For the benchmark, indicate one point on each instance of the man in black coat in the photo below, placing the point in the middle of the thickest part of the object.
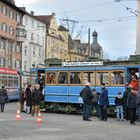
(87, 97)
(3, 98)
(131, 103)
(36, 99)
(28, 98)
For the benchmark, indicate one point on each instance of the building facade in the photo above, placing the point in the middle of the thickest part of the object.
(56, 38)
(33, 48)
(10, 41)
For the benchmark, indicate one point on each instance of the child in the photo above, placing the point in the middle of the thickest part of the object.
(119, 106)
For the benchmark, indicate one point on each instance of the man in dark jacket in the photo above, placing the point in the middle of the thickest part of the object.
(131, 103)
(125, 95)
(36, 99)
(28, 98)
(3, 98)
(87, 97)
(103, 102)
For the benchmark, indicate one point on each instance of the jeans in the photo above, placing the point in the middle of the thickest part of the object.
(119, 113)
(87, 111)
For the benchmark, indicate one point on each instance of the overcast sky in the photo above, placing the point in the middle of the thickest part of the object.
(114, 21)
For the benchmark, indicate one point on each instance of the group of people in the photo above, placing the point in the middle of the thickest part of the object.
(128, 102)
(32, 97)
(91, 98)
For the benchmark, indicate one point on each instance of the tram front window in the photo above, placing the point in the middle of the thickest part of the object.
(75, 78)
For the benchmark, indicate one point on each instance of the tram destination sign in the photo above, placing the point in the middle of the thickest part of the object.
(96, 63)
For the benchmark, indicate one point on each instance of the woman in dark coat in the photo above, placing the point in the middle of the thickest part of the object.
(28, 97)
(3, 98)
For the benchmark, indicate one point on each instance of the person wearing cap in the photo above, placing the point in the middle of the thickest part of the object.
(103, 102)
(3, 98)
(87, 97)
(131, 103)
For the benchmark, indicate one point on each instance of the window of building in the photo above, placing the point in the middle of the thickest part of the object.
(11, 14)
(38, 39)
(39, 52)
(33, 51)
(9, 62)
(11, 30)
(2, 43)
(26, 20)
(32, 24)
(18, 18)
(32, 36)
(17, 63)
(10, 46)
(25, 50)
(25, 65)
(4, 10)
(4, 27)
(18, 49)
(2, 61)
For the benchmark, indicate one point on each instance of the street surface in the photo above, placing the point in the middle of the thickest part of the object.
(63, 127)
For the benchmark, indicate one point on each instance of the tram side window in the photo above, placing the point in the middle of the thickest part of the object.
(15, 81)
(89, 77)
(63, 78)
(102, 77)
(51, 78)
(117, 78)
(75, 78)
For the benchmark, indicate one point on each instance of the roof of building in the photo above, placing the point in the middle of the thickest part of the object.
(45, 18)
(11, 4)
(62, 28)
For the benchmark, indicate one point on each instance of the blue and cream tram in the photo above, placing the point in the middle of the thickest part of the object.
(62, 85)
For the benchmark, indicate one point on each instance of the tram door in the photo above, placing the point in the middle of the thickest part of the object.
(133, 76)
(41, 79)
